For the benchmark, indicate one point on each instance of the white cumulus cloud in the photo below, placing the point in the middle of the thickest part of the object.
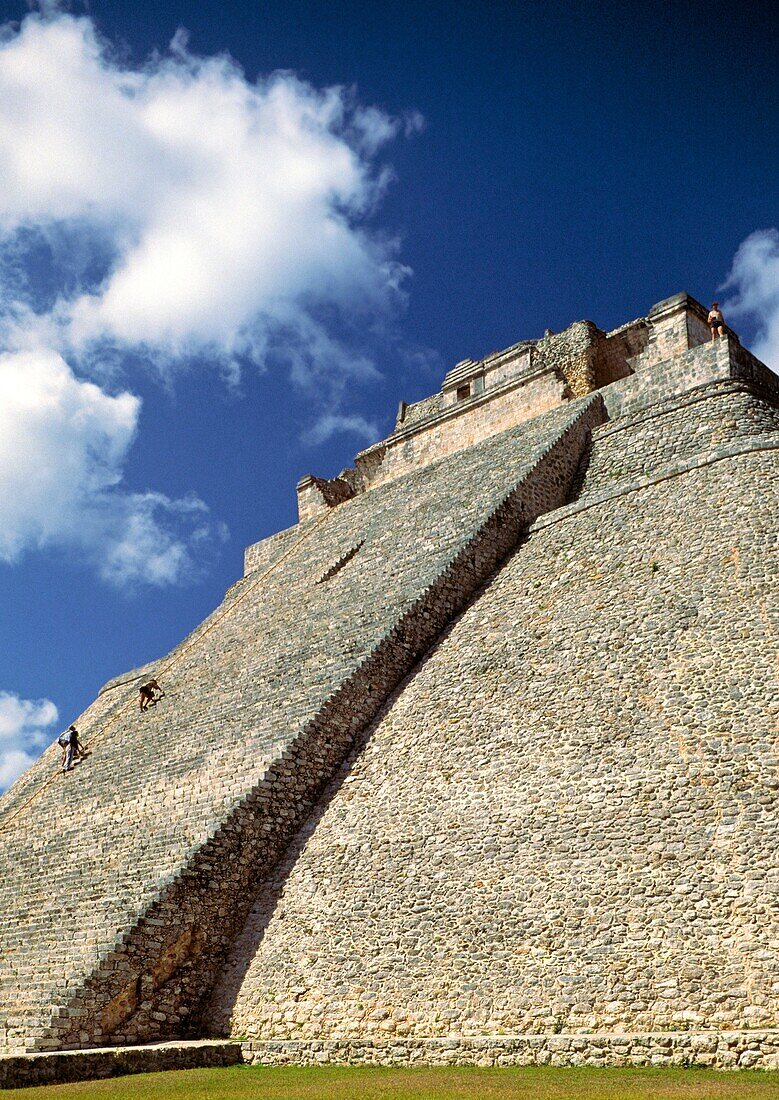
(172, 214)
(222, 216)
(24, 731)
(753, 288)
(63, 443)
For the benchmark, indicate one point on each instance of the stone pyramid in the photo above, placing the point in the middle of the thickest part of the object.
(484, 746)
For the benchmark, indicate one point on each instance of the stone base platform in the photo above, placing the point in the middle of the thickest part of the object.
(717, 1049)
(60, 1067)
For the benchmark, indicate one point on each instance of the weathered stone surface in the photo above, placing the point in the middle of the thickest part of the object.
(63, 1067)
(151, 849)
(567, 818)
(716, 1050)
(719, 1050)
(714, 415)
(550, 837)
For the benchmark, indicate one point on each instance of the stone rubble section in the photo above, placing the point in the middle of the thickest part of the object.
(123, 883)
(566, 820)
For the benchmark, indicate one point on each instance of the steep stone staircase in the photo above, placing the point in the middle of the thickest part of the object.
(123, 883)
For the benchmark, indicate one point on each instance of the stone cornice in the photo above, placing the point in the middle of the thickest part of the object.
(463, 407)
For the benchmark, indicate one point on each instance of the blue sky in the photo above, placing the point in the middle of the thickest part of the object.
(233, 237)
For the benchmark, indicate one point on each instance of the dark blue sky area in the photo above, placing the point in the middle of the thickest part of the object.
(579, 160)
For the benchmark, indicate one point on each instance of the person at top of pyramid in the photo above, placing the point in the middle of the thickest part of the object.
(716, 321)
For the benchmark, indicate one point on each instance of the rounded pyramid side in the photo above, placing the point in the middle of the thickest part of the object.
(567, 819)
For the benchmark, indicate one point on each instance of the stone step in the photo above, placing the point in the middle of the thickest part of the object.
(63, 1066)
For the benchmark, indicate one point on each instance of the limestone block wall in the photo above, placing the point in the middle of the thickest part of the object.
(750, 1049)
(122, 883)
(502, 366)
(588, 358)
(680, 427)
(567, 818)
(676, 324)
(318, 494)
(262, 555)
(655, 382)
(474, 420)
(421, 410)
(648, 358)
(619, 349)
(518, 384)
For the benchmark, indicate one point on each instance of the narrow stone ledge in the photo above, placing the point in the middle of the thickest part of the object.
(61, 1067)
(715, 1049)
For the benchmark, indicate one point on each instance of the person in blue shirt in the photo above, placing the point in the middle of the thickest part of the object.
(71, 746)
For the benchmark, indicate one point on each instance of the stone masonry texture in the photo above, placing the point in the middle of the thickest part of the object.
(62, 1067)
(757, 1049)
(476, 763)
(567, 818)
(151, 848)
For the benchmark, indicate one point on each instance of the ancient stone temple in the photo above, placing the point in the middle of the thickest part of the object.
(481, 755)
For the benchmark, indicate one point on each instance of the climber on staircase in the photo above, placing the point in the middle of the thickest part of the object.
(72, 748)
(150, 692)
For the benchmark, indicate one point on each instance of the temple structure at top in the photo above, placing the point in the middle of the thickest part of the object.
(480, 397)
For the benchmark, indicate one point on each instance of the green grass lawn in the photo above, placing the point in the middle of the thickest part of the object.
(461, 1083)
